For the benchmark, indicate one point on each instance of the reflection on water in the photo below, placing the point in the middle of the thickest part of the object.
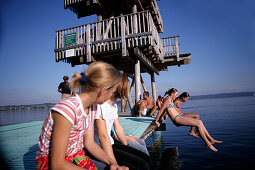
(22, 116)
(162, 156)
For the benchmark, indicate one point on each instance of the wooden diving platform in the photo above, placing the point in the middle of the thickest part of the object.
(118, 41)
(19, 142)
(126, 35)
(109, 8)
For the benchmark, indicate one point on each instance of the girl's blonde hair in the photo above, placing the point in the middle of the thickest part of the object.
(122, 89)
(170, 91)
(99, 74)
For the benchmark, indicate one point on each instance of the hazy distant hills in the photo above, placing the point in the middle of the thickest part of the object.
(49, 105)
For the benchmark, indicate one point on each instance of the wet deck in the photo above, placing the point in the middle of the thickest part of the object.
(19, 141)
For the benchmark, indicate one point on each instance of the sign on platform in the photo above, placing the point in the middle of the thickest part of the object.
(70, 53)
(70, 39)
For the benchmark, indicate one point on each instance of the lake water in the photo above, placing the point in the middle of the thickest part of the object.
(229, 119)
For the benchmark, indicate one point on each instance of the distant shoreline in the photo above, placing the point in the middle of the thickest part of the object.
(49, 105)
(223, 95)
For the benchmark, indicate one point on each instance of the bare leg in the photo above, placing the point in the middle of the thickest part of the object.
(142, 107)
(186, 121)
(153, 110)
(192, 128)
(209, 136)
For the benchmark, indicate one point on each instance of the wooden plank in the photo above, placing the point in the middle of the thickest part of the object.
(144, 87)
(145, 60)
(88, 48)
(123, 37)
(153, 88)
(148, 131)
(137, 81)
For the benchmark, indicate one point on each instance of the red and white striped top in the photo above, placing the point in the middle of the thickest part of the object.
(71, 108)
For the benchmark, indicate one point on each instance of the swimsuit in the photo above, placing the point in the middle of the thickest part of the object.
(172, 106)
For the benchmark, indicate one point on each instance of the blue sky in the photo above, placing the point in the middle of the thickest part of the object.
(219, 34)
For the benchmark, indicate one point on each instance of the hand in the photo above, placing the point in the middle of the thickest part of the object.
(132, 138)
(157, 123)
(117, 167)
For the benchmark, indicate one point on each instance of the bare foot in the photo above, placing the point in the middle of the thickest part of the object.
(212, 148)
(193, 134)
(217, 141)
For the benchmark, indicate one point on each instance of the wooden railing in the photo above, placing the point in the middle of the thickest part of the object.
(157, 14)
(117, 33)
(171, 46)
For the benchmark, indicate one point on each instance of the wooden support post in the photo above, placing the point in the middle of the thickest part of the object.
(99, 27)
(137, 81)
(123, 36)
(88, 43)
(135, 26)
(144, 88)
(153, 87)
(130, 102)
(177, 48)
(132, 85)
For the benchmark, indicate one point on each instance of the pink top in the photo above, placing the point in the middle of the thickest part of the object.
(72, 109)
(178, 106)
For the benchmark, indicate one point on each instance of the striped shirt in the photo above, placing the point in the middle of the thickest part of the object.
(72, 109)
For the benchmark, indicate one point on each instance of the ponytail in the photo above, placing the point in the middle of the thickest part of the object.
(99, 74)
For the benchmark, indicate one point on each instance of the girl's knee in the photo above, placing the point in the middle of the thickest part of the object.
(200, 123)
(197, 116)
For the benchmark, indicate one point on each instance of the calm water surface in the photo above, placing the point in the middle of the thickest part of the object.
(229, 119)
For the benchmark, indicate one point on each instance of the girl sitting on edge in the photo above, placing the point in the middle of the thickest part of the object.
(184, 97)
(69, 126)
(179, 120)
(123, 152)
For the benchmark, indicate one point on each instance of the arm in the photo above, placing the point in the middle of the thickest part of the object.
(119, 131)
(132, 138)
(104, 138)
(165, 104)
(60, 136)
(176, 102)
(59, 87)
(94, 149)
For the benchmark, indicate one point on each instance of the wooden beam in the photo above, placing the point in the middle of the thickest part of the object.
(137, 81)
(139, 54)
(123, 37)
(144, 88)
(130, 102)
(153, 88)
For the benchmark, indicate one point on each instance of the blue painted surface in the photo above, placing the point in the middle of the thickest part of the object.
(135, 126)
(18, 142)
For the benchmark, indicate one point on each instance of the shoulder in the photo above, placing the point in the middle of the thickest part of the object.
(68, 108)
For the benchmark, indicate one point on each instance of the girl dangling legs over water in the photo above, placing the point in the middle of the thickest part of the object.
(178, 120)
(184, 97)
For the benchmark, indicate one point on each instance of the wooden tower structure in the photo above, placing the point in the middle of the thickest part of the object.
(126, 35)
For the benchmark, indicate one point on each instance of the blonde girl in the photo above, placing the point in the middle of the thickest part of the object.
(69, 126)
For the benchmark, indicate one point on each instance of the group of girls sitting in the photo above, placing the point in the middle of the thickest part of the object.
(172, 107)
(76, 133)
